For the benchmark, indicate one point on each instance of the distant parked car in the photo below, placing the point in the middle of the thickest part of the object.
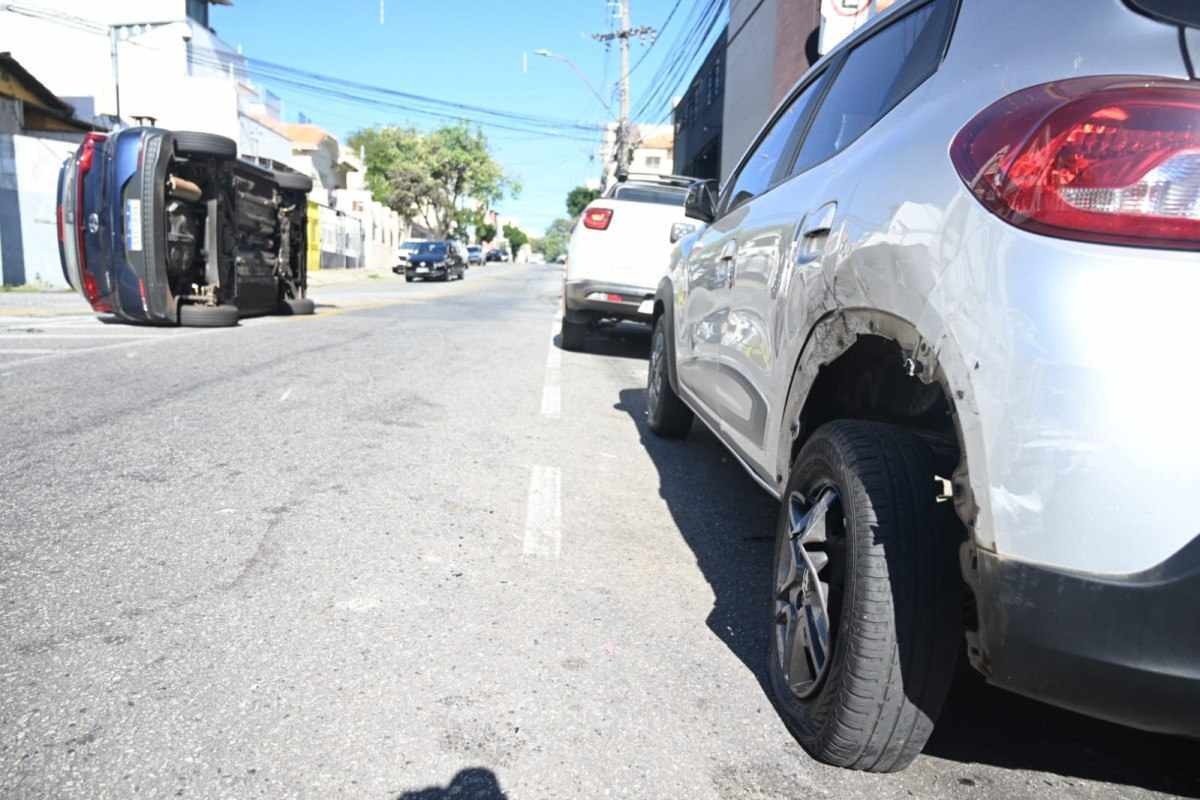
(474, 255)
(943, 311)
(170, 227)
(439, 260)
(618, 252)
(497, 255)
(403, 252)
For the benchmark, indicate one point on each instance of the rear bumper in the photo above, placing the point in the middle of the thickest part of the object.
(1124, 649)
(595, 298)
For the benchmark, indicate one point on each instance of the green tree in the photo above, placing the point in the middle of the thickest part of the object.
(440, 180)
(516, 239)
(578, 198)
(486, 232)
(554, 243)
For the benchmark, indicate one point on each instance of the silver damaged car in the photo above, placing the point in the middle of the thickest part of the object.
(944, 310)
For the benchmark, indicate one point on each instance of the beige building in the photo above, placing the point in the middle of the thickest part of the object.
(653, 150)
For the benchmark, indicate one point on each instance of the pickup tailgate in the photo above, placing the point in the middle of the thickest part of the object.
(633, 250)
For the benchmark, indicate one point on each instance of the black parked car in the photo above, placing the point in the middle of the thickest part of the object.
(440, 260)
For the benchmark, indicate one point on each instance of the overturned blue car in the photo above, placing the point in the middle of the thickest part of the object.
(165, 227)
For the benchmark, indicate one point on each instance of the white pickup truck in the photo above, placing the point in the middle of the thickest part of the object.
(619, 250)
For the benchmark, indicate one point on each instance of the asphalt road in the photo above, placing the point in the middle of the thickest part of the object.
(408, 548)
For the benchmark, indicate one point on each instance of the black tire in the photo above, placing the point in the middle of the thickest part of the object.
(297, 307)
(893, 596)
(293, 181)
(572, 335)
(192, 316)
(192, 143)
(667, 415)
(408, 278)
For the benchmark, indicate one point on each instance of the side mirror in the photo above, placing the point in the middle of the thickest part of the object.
(701, 202)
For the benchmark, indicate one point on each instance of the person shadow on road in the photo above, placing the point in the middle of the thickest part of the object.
(476, 783)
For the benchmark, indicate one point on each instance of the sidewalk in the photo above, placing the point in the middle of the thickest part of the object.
(332, 277)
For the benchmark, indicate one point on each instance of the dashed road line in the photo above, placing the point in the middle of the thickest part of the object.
(552, 387)
(543, 514)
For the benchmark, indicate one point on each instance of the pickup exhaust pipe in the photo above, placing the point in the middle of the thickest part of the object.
(183, 189)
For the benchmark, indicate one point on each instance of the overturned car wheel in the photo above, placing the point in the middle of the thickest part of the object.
(193, 143)
(193, 316)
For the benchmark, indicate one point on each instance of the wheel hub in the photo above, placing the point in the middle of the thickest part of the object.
(654, 383)
(803, 624)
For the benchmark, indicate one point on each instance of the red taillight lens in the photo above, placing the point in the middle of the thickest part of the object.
(1102, 159)
(83, 166)
(597, 218)
(58, 218)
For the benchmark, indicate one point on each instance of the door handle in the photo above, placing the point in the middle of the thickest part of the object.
(819, 222)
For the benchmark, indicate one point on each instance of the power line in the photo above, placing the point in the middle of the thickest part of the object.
(303, 81)
(677, 66)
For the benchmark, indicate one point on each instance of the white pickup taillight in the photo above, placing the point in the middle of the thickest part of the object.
(1101, 159)
(597, 218)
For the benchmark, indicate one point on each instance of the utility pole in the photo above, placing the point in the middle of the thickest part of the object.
(116, 69)
(623, 36)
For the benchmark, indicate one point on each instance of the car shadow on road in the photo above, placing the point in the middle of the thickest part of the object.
(729, 524)
(476, 783)
(981, 724)
(727, 521)
(623, 340)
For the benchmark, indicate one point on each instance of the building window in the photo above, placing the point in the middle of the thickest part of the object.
(198, 10)
(653, 161)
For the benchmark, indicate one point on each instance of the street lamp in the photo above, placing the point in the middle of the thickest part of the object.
(544, 53)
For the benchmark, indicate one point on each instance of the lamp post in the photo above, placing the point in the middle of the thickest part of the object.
(544, 53)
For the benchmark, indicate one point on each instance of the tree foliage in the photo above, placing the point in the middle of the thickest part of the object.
(578, 198)
(485, 232)
(516, 239)
(441, 180)
(554, 243)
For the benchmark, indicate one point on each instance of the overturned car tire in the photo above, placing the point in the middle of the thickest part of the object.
(293, 181)
(192, 143)
(191, 316)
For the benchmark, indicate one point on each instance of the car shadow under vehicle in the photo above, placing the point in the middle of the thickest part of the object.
(981, 724)
(622, 340)
(729, 524)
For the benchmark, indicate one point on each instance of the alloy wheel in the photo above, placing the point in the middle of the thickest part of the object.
(804, 622)
(654, 383)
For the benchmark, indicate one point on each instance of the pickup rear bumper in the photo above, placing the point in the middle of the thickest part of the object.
(586, 300)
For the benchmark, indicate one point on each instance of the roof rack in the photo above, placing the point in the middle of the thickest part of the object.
(674, 180)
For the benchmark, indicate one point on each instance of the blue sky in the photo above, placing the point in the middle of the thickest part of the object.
(462, 50)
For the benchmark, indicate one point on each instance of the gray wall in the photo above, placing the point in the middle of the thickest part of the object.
(749, 76)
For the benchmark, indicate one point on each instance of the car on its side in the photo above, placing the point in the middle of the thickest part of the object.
(403, 252)
(943, 312)
(474, 255)
(619, 250)
(439, 260)
(170, 227)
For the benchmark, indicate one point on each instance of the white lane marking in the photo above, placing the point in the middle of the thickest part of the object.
(91, 336)
(552, 388)
(543, 513)
(140, 341)
(25, 351)
(285, 395)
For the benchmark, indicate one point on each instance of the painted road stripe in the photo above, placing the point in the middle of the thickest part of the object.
(543, 514)
(552, 388)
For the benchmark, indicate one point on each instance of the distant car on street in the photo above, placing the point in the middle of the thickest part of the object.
(495, 254)
(941, 312)
(439, 260)
(171, 227)
(403, 252)
(619, 250)
(474, 255)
